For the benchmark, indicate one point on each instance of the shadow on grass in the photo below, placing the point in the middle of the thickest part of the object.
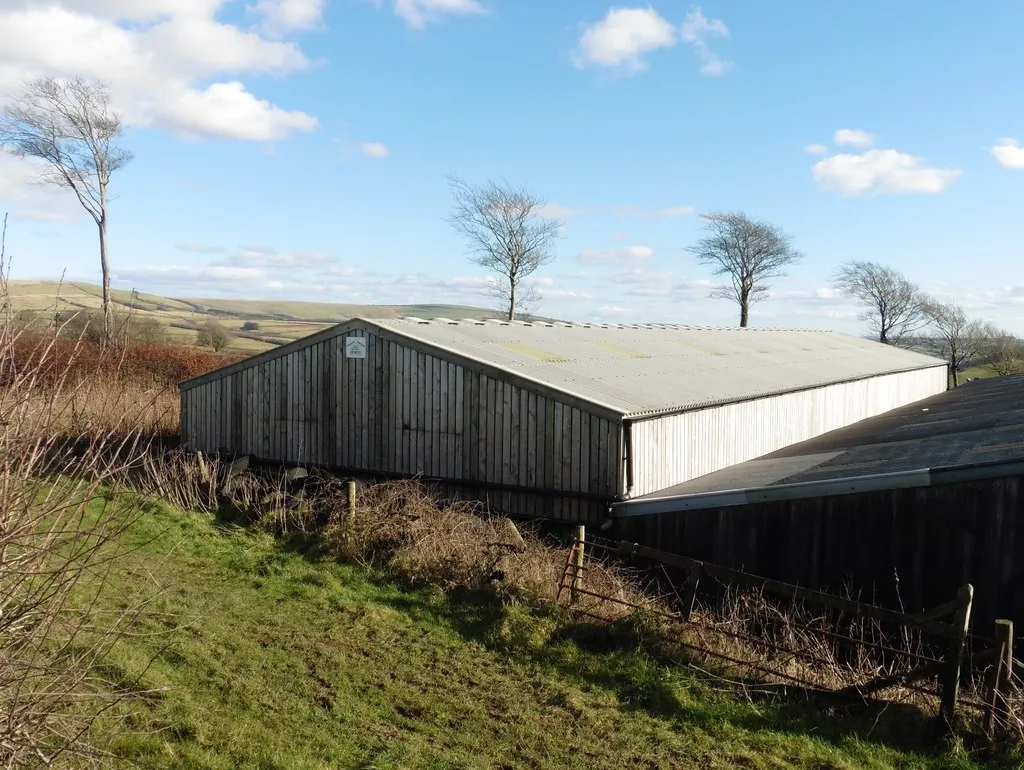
(624, 659)
(621, 657)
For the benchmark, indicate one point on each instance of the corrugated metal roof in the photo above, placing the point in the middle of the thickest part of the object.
(655, 368)
(978, 423)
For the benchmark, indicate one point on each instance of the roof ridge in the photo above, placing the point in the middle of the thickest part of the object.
(645, 325)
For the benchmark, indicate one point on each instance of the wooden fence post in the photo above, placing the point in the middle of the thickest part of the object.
(690, 591)
(350, 520)
(996, 711)
(951, 676)
(578, 550)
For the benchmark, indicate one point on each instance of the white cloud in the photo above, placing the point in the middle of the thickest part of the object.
(623, 38)
(669, 213)
(565, 213)
(418, 13)
(823, 294)
(226, 280)
(198, 248)
(697, 27)
(344, 270)
(173, 273)
(280, 16)
(881, 172)
(816, 149)
(374, 150)
(692, 289)
(475, 282)
(163, 59)
(853, 136)
(560, 212)
(1009, 153)
(264, 256)
(696, 31)
(638, 277)
(649, 291)
(25, 199)
(228, 111)
(611, 256)
(253, 270)
(567, 295)
(613, 311)
(131, 10)
(350, 151)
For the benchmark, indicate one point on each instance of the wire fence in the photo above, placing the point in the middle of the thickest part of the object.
(836, 649)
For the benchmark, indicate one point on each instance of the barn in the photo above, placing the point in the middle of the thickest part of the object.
(905, 507)
(549, 420)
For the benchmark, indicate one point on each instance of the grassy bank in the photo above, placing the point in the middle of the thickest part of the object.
(266, 657)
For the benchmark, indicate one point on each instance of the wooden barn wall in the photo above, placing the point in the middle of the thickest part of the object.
(931, 540)
(405, 412)
(673, 449)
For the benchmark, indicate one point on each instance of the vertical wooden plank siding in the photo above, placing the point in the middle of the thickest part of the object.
(933, 540)
(405, 411)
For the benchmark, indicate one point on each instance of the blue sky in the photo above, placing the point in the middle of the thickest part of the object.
(298, 148)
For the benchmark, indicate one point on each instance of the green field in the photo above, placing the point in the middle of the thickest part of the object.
(976, 373)
(268, 657)
(280, 321)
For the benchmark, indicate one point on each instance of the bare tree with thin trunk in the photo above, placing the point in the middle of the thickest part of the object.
(963, 341)
(507, 235)
(1005, 353)
(750, 253)
(893, 304)
(5, 271)
(71, 127)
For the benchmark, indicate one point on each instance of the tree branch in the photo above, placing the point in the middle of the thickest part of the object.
(70, 126)
(751, 253)
(505, 234)
(893, 305)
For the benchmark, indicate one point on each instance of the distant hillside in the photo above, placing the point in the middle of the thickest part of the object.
(280, 321)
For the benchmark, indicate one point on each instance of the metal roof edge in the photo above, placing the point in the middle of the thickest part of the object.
(923, 477)
(405, 333)
(669, 411)
(270, 355)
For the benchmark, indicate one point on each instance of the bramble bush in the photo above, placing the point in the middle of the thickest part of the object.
(74, 360)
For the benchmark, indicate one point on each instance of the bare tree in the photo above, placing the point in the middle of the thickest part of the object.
(5, 271)
(71, 127)
(963, 341)
(893, 304)
(507, 235)
(750, 253)
(1005, 353)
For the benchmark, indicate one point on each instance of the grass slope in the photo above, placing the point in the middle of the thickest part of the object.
(280, 660)
(280, 321)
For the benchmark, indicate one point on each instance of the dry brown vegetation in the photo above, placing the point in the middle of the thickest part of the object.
(399, 526)
(57, 528)
(77, 420)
